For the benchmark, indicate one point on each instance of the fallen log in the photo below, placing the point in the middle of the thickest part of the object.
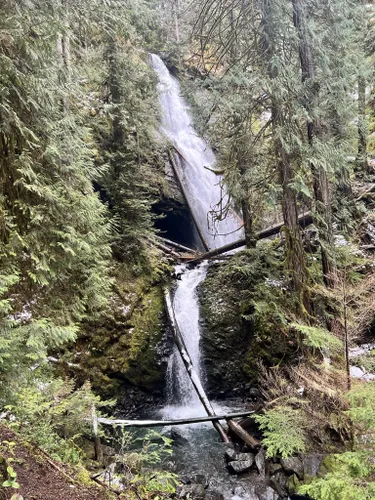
(189, 365)
(176, 245)
(184, 421)
(165, 248)
(183, 190)
(304, 220)
(242, 434)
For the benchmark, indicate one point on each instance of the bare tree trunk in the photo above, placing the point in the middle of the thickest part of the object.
(182, 421)
(361, 159)
(346, 332)
(295, 254)
(320, 177)
(303, 221)
(250, 237)
(63, 54)
(175, 9)
(115, 90)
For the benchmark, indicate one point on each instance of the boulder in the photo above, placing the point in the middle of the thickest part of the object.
(279, 483)
(312, 464)
(242, 493)
(293, 483)
(274, 468)
(260, 461)
(178, 436)
(195, 491)
(214, 495)
(293, 465)
(269, 494)
(234, 456)
(240, 466)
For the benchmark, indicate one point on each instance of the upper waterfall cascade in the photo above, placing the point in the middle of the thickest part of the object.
(203, 186)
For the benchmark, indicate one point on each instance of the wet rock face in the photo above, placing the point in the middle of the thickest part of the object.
(237, 328)
(125, 352)
(293, 465)
(224, 337)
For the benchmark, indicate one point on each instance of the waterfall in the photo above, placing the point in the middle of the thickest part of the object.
(203, 186)
(182, 397)
(206, 195)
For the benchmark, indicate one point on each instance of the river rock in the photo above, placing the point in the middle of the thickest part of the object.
(293, 465)
(214, 495)
(240, 466)
(178, 436)
(260, 461)
(195, 491)
(356, 372)
(274, 468)
(269, 494)
(234, 456)
(242, 493)
(279, 483)
(293, 483)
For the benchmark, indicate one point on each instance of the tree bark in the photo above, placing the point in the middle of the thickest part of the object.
(361, 159)
(295, 255)
(304, 220)
(176, 245)
(320, 178)
(244, 435)
(183, 421)
(250, 237)
(115, 90)
(175, 9)
(63, 53)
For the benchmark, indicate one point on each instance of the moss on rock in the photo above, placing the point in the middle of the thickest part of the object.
(126, 347)
(242, 321)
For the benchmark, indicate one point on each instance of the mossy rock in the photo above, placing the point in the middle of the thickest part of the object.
(293, 483)
(242, 318)
(127, 346)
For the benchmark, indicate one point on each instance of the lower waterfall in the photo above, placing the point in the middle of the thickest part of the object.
(182, 400)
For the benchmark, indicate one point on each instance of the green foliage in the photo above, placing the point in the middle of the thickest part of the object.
(348, 478)
(350, 475)
(283, 429)
(11, 481)
(54, 415)
(78, 175)
(142, 457)
(318, 338)
(362, 406)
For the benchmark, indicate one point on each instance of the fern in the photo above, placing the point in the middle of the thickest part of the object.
(318, 338)
(348, 478)
(283, 430)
